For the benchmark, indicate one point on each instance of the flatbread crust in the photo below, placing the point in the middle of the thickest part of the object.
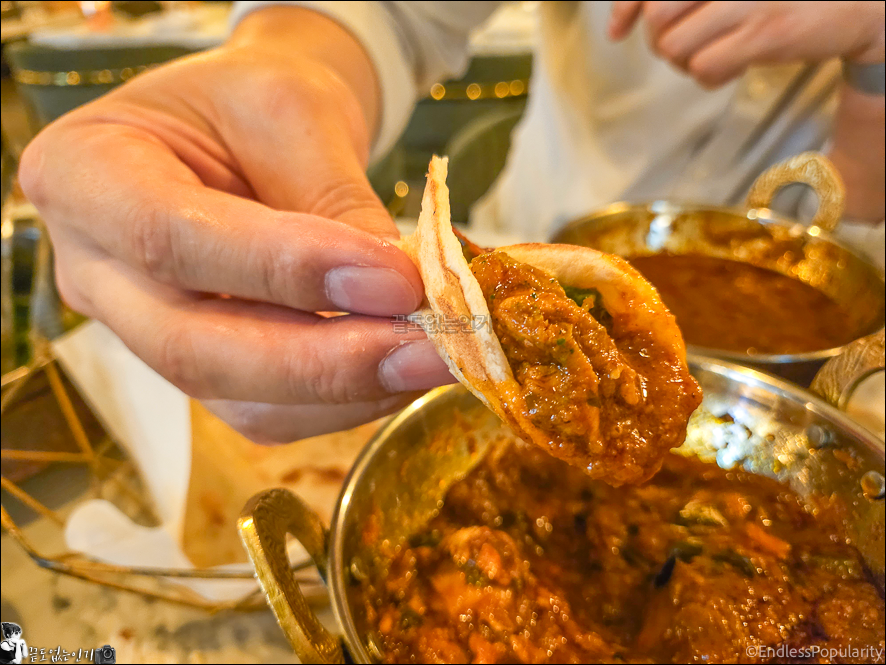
(473, 352)
(455, 302)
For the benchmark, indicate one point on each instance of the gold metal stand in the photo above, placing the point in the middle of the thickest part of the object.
(110, 477)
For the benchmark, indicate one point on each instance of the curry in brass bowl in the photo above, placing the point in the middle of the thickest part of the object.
(747, 285)
(742, 308)
(530, 561)
(454, 542)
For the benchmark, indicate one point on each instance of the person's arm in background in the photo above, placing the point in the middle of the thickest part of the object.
(206, 210)
(858, 152)
(716, 41)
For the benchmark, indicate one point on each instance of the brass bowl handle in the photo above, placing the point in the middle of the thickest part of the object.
(813, 169)
(841, 375)
(263, 525)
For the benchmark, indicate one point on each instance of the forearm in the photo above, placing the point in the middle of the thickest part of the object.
(284, 30)
(858, 139)
(858, 152)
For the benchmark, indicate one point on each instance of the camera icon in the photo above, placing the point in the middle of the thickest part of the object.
(106, 655)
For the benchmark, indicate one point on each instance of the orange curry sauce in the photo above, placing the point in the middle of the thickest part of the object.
(611, 401)
(532, 561)
(736, 306)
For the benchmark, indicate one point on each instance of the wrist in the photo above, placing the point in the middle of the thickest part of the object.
(303, 35)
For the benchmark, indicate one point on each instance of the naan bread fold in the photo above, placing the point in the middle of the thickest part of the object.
(458, 322)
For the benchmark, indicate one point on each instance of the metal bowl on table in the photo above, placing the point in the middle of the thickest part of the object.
(403, 474)
(760, 237)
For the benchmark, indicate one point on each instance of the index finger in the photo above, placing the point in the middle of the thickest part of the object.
(161, 220)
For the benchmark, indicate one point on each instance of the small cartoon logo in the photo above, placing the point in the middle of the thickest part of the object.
(13, 648)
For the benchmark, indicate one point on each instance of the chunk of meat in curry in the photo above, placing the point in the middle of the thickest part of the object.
(610, 400)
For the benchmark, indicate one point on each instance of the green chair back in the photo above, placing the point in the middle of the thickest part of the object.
(477, 154)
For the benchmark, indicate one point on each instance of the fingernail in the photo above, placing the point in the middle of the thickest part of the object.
(375, 291)
(414, 366)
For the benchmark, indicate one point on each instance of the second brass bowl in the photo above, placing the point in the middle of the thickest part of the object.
(758, 236)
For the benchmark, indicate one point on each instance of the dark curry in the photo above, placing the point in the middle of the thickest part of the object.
(532, 561)
(736, 306)
(610, 400)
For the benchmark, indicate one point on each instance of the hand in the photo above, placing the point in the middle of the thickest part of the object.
(207, 210)
(716, 41)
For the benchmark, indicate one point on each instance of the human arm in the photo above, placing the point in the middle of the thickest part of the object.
(716, 41)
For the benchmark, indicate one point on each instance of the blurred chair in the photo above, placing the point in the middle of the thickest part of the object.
(493, 84)
(477, 154)
(54, 81)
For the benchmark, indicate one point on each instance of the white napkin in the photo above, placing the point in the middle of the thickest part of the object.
(140, 410)
(150, 419)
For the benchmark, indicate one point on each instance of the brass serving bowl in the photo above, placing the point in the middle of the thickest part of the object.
(758, 236)
(773, 428)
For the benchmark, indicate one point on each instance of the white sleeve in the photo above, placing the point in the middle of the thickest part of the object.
(412, 45)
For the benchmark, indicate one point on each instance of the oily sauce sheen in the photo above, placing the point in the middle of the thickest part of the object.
(610, 400)
(736, 306)
(532, 561)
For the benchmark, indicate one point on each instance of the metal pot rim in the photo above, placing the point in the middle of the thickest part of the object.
(336, 574)
(763, 216)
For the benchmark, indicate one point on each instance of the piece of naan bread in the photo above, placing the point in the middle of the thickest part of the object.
(476, 357)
